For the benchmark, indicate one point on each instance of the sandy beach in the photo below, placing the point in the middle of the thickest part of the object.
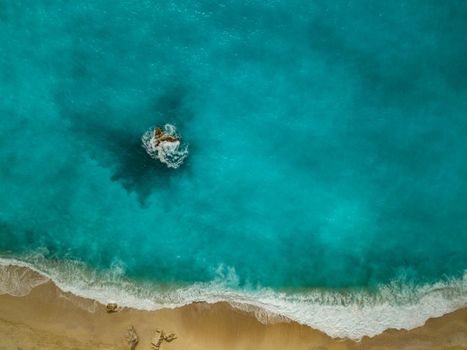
(48, 318)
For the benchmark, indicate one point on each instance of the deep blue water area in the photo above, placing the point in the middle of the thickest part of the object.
(327, 139)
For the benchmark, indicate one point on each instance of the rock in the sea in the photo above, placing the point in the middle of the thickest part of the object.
(132, 338)
(111, 307)
(165, 144)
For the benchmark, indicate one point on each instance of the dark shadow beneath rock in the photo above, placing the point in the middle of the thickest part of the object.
(123, 153)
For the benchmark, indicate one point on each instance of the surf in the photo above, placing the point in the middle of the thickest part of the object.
(347, 313)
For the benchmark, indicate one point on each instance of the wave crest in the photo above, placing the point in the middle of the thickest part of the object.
(171, 153)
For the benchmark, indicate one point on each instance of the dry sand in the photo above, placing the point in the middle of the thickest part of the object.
(47, 318)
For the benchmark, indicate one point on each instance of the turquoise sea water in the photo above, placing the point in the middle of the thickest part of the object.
(327, 140)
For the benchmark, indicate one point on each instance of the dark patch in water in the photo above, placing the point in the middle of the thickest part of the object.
(121, 149)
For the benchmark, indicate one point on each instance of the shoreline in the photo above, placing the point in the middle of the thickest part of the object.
(45, 317)
(48, 318)
(348, 314)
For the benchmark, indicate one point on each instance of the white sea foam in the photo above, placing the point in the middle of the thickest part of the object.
(19, 280)
(341, 314)
(171, 153)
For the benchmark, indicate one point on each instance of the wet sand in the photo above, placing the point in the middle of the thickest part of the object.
(48, 318)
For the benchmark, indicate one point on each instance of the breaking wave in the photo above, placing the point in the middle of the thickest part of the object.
(171, 153)
(341, 314)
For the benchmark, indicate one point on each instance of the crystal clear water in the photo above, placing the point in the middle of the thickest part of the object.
(327, 140)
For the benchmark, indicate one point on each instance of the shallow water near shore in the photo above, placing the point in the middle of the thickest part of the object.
(327, 151)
